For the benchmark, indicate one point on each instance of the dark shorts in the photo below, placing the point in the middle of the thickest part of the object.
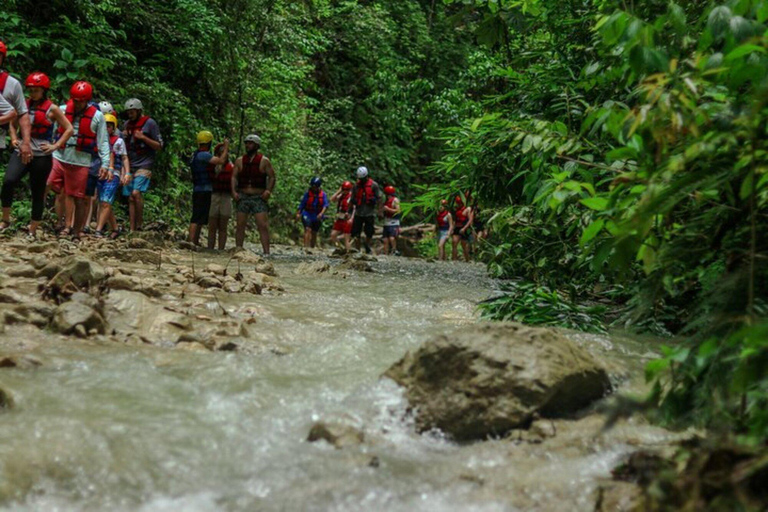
(467, 235)
(391, 231)
(90, 187)
(311, 221)
(252, 204)
(201, 206)
(363, 224)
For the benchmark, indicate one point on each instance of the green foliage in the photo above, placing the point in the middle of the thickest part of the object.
(538, 305)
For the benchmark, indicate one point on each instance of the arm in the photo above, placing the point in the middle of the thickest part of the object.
(102, 139)
(266, 166)
(395, 209)
(222, 158)
(57, 115)
(154, 140)
(470, 216)
(336, 195)
(235, 173)
(450, 223)
(126, 172)
(325, 205)
(9, 117)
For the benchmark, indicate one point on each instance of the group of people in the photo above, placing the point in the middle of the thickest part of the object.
(76, 151)
(461, 224)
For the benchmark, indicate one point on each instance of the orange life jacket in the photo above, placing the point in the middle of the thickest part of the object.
(42, 127)
(86, 137)
(442, 219)
(131, 144)
(364, 193)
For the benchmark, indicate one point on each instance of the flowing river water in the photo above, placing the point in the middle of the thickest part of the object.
(132, 427)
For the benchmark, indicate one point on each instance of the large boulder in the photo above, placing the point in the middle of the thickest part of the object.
(484, 380)
(80, 271)
(72, 314)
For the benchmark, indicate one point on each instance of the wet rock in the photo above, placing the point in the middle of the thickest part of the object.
(187, 246)
(39, 261)
(80, 331)
(42, 247)
(138, 243)
(232, 287)
(193, 346)
(72, 314)
(267, 268)
(80, 271)
(227, 346)
(24, 362)
(6, 399)
(364, 257)
(123, 282)
(247, 257)
(358, 265)
(485, 380)
(218, 270)
(35, 313)
(341, 431)
(21, 270)
(147, 256)
(618, 496)
(209, 282)
(49, 270)
(10, 297)
(314, 267)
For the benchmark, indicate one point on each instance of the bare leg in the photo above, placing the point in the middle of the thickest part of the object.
(61, 210)
(334, 236)
(132, 211)
(139, 206)
(104, 213)
(7, 214)
(455, 243)
(213, 226)
(313, 239)
(348, 241)
(223, 223)
(262, 224)
(465, 248)
(307, 237)
(242, 222)
(441, 248)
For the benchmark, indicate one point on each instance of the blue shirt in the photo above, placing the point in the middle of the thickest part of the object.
(201, 179)
(319, 201)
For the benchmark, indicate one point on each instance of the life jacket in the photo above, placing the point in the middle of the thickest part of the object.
(42, 127)
(118, 159)
(137, 146)
(252, 176)
(314, 202)
(442, 219)
(461, 217)
(343, 204)
(3, 79)
(364, 193)
(390, 201)
(222, 182)
(86, 137)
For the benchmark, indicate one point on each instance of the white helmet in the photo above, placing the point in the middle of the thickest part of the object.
(362, 172)
(106, 107)
(253, 138)
(134, 103)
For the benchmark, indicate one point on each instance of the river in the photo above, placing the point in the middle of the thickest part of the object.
(113, 426)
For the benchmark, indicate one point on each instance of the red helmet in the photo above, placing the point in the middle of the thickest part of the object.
(347, 185)
(444, 202)
(389, 190)
(38, 79)
(3, 49)
(81, 91)
(459, 201)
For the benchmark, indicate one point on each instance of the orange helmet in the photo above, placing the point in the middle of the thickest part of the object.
(347, 185)
(38, 79)
(81, 91)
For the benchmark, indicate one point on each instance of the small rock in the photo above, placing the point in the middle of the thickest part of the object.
(123, 282)
(247, 257)
(187, 246)
(227, 347)
(80, 271)
(266, 268)
(180, 278)
(6, 400)
(49, 270)
(209, 282)
(22, 270)
(10, 297)
(315, 267)
(42, 247)
(39, 261)
(340, 432)
(194, 346)
(72, 314)
(79, 331)
(358, 265)
(138, 243)
(24, 362)
(218, 270)
(232, 287)
(365, 257)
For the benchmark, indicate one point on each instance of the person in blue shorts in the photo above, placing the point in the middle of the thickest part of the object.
(109, 181)
(312, 211)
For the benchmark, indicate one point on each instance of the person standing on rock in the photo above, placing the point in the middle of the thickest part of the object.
(11, 91)
(119, 168)
(312, 211)
(221, 200)
(461, 229)
(391, 210)
(202, 186)
(142, 140)
(43, 113)
(253, 181)
(343, 223)
(366, 203)
(444, 228)
(72, 162)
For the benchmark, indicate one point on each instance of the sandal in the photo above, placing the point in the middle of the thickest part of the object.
(98, 233)
(116, 233)
(65, 232)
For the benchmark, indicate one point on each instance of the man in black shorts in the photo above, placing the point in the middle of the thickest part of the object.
(366, 202)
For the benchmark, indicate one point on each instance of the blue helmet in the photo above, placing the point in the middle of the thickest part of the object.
(316, 181)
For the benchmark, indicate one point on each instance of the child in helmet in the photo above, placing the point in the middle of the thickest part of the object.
(111, 178)
(391, 220)
(312, 211)
(343, 223)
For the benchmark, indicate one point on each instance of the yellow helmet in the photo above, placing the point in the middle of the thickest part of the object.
(110, 119)
(204, 137)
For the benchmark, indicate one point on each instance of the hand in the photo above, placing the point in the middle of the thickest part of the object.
(235, 196)
(265, 195)
(126, 179)
(104, 173)
(139, 135)
(15, 143)
(48, 148)
(26, 152)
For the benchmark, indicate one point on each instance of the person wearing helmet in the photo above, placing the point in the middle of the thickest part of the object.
(366, 203)
(253, 181)
(142, 140)
(312, 211)
(391, 210)
(343, 223)
(107, 108)
(11, 91)
(463, 219)
(202, 187)
(43, 113)
(221, 200)
(71, 162)
(444, 227)
(110, 181)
